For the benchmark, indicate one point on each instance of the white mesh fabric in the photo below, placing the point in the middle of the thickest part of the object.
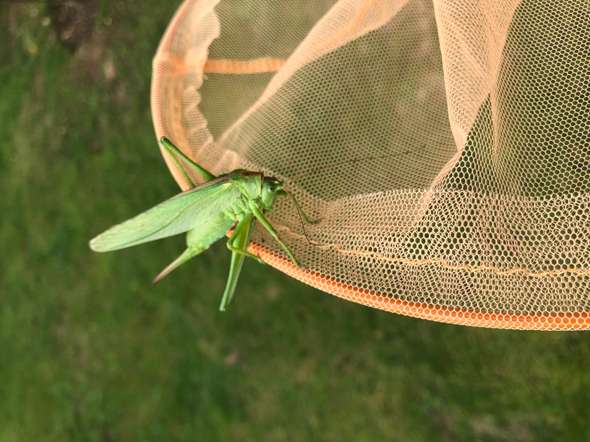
(444, 144)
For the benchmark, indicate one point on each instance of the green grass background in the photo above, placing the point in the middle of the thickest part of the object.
(91, 351)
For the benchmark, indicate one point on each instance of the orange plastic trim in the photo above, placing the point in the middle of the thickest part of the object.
(449, 315)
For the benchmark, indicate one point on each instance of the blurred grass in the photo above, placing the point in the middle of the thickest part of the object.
(91, 351)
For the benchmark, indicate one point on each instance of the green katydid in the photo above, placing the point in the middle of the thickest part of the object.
(206, 212)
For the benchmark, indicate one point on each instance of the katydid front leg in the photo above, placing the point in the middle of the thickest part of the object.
(300, 210)
(263, 220)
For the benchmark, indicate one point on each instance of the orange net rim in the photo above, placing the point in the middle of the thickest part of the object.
(449, 315)
(443, 314)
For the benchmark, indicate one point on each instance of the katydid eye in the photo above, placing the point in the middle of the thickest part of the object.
(275, 185)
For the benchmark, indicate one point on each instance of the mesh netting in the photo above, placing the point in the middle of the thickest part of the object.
(444, 144)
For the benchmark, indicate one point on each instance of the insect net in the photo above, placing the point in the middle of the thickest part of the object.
(444, 144)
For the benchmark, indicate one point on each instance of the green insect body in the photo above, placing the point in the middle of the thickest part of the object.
(206, 213)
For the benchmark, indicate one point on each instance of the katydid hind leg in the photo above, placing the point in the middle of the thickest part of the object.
(263, 220)
(179, 157)
(239, 240)
(189, 252)
(198, 240)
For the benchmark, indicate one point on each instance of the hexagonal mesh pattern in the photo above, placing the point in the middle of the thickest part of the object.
(444, 144)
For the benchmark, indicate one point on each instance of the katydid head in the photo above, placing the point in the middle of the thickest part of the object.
(271, 187)
(273, 184)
